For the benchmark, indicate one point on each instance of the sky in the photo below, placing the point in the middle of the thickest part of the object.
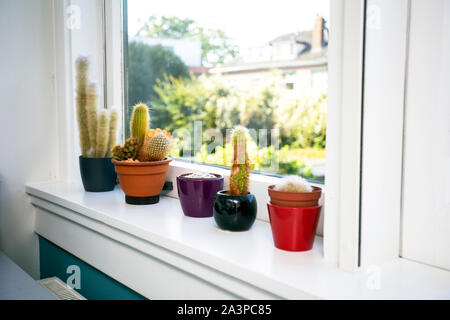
(249, 23)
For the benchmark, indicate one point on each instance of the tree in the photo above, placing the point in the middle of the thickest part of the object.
(180, 102)
(147, 64)
(217, 47)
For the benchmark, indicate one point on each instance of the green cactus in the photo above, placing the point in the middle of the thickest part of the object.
(240, 170)
(113, 123)
(129, 150)
(102, 134)
(139, 122)
(82, 66)
(156, 146)
(92, 117)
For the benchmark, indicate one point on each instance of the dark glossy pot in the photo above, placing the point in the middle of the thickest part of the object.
(97, 174)
(197, 194)
(234, 213)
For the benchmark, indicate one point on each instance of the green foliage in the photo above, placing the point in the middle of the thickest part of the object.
(180, 102)
(217, 47)
(147, 64)
(303, 123)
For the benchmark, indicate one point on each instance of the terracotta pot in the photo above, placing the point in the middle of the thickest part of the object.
(142, 182)
(295, 199)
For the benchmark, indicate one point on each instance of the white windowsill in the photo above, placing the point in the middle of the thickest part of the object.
(247, 261)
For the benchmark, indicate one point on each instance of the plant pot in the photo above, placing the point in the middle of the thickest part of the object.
(234, 213)
(97, 174)
(197, 194)
(142, 182)
(295, 199)
(293, 229)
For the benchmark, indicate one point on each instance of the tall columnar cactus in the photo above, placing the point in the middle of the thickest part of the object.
(113, 123)
(92, 117)
(240, 170)
(102, 134)
(97, 131)
(156, 145)
(82, 66)
(139, 122)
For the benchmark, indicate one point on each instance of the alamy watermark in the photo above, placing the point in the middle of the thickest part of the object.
(74, 280)
(73, 17)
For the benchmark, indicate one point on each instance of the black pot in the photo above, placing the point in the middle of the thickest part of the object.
(234, 213)
(97, 174)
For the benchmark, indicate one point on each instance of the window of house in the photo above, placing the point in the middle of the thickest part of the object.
(188, 88)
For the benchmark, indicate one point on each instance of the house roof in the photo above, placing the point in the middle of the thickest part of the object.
(303, 37)
(305, 58)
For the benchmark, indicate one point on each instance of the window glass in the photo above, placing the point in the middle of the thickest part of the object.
(205, 66)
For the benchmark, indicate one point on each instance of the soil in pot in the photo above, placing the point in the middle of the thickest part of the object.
(234, 213)
(197, 194)
(97, 174)
(293, 229)
(142, 182)
(295, 199)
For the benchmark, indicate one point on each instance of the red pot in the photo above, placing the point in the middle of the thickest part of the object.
(293, 229)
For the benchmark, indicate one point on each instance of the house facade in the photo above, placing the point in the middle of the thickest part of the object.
(296, 62)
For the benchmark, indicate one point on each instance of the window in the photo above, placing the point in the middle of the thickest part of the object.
(195, 68)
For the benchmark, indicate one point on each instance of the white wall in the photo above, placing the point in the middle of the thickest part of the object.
(28, 137)
(426, 172)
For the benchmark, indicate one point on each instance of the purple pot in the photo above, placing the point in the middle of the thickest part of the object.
(197, 194)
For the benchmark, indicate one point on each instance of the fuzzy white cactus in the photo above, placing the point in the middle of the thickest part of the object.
(293, 184)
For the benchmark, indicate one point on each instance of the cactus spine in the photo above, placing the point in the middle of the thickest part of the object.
(113, 122)
(240, 170)
(82, 65)
(156, 145)
(102, 134)
(139, 122)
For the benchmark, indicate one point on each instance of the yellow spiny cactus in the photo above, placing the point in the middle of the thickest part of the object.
(82, 66)
(157, 144)
(92, 116)
(139, 122)
(102, 134)
(97, 132)
(113, 123)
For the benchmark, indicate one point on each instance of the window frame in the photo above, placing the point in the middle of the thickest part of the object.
(341, 215)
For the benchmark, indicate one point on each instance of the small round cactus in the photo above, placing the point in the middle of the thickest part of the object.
(156, 145)
(293, 184)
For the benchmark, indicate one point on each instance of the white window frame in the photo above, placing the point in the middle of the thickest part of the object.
(341, 194)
